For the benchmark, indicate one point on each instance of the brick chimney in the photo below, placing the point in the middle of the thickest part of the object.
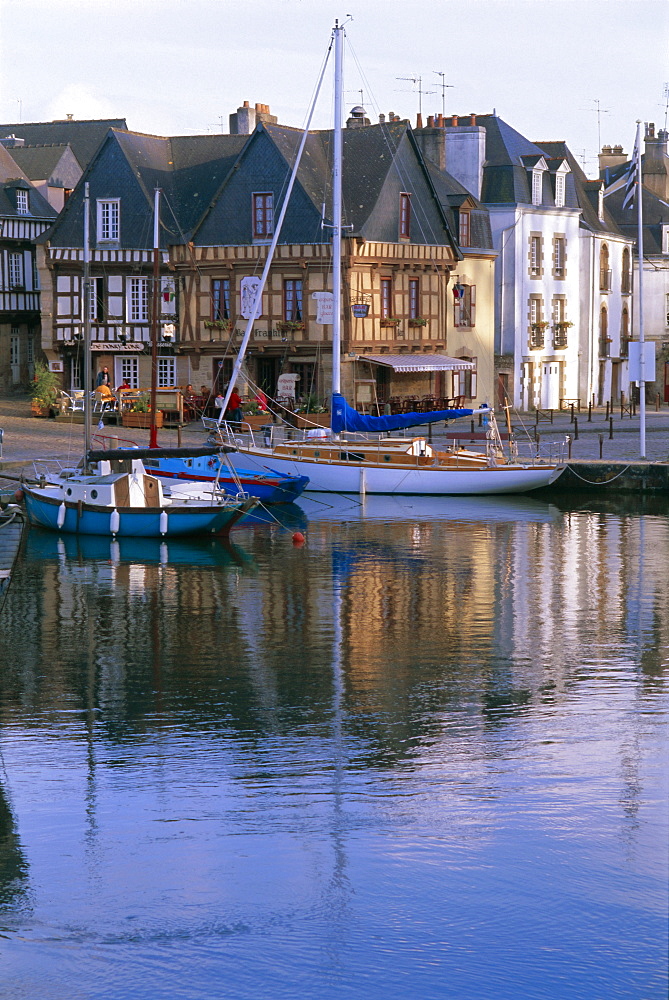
(611, 156)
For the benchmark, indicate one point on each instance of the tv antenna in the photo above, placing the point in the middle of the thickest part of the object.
(600, 111)
(666, 104)
(443, 85)
(417, 80)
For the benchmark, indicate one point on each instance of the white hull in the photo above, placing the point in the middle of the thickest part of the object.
(370, 477)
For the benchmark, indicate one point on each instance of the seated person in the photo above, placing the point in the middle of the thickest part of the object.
(123, 387)
(189, 392)
(103, 394)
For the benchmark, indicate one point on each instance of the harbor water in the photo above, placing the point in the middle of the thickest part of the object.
(421, 755)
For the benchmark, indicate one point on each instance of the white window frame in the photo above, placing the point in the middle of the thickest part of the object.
(109, 220)
(22, 202)
(167, 370)
(559, 255)
(137, 300)
(536, 186)
(559, 189)
(126, 369)
(15, 269)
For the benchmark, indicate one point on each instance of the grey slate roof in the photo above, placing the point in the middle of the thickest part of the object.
(11, 177)
(586, 190)
(453, 196)
(40, 162)
(83, 136)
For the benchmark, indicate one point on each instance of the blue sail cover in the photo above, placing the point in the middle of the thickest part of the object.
(345, 418)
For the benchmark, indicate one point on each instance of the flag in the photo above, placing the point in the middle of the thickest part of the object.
(632, 176)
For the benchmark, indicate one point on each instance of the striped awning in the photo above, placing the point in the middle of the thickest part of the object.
(419, 362)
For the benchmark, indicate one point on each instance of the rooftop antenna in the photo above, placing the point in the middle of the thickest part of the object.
(600, 111)
(443, 86)
(666, 104)
(417, 80)
(362, 101)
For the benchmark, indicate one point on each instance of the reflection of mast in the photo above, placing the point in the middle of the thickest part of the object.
(13, 863)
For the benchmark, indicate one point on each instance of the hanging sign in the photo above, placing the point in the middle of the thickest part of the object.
(360, 310)
(325, 308)
(249, 289)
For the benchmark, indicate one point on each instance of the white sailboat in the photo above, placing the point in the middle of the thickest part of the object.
(356, 455)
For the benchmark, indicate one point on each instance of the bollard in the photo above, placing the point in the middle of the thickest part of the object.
(179, 435)
(607, 410)
(2, 434)
(429, 433)
(568, 440)
(611, 429)
(575, 429)
(601, 444)
(589, 413)
(571, 419)
(480, 419)
(657, 402)
(472, 424)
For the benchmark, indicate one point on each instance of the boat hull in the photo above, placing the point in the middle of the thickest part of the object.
(372, 477)
(262, 484)
(133, 522)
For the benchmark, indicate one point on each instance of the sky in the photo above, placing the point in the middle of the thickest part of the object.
(582, 71)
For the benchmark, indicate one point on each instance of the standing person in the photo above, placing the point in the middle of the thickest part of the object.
(234, 410)
(103, 378)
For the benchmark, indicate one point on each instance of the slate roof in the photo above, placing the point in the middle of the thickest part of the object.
(509, 158)
(587, 191)
(83, 136)
(655, 211)
(39, 162)
(11, 176)
(453, 195)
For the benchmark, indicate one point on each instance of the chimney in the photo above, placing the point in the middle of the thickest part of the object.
(465, 154)
(243, 120)
(472, 118)
(454, 120)
(655, 169)
(382, 119)
(611, 157)
(440, 120)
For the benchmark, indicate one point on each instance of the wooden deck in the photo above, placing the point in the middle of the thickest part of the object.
(12, 526)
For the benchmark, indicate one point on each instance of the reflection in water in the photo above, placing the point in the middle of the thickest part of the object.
(422, 748)
(13, 864)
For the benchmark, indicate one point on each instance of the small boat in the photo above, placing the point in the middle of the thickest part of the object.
(269, 486)
(123, 500)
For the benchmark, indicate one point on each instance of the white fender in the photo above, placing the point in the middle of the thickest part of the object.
(62, 510)
(163, 522)
(114, 521)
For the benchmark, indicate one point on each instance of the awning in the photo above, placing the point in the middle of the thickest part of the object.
(418, 362)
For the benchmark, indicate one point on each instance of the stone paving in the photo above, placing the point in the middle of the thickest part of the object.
(27, 439)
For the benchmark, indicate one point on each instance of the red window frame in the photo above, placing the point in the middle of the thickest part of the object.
(464, 229)
(414, 298)
(292, 300)
(405, 215)
(220, 298)
(263, 215)
(386, 297)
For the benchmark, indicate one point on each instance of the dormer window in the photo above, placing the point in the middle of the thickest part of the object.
(109, 218)
(464, 231)
(536, 186)
(263, 216)
(559, 190)
(22, 204)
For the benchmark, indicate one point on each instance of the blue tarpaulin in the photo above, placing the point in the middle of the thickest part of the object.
(345, 418)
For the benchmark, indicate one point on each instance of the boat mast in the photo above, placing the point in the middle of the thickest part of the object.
(155, 303)
(86, 298)
(338, 33)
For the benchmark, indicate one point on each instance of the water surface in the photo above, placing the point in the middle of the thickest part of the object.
(423, 755)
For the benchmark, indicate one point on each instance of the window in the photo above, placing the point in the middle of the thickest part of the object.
(414, 311)
(15, 261)
(604, 269)
(22, 201)
(536, 187)
(167, 371)
(386, 298)
(626, 285)
(36, 285)
(559, 256)
(604, 339)
(127, 370)
(464, 382)
(405, 216)
(463, 228)
(559, 190)
(292, 300)
(138, 300)
(263, 216)
(624, 333)
(464, 305)
(537, 323)
(560, 325)
(14, 347)
(76, 377)
(535, 255)
(220, 298)
(97, 300)
(108, 220)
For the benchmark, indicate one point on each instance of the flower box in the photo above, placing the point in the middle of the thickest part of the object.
(141, 419)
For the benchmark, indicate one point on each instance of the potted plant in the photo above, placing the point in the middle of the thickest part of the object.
(417, 321)
(390, 321)
(45, 389)
(289, 325)
(312, 410)
(218, 324)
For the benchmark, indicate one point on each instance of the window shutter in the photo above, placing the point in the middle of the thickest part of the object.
(472, 311)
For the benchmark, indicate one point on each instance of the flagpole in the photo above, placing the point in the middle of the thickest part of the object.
(642, 360)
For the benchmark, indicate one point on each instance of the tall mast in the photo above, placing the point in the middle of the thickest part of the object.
(86, 299)
(155, 304)
(642, 366)
(336, 209)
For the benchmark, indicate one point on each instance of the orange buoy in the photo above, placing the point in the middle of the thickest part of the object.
(298, 538)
